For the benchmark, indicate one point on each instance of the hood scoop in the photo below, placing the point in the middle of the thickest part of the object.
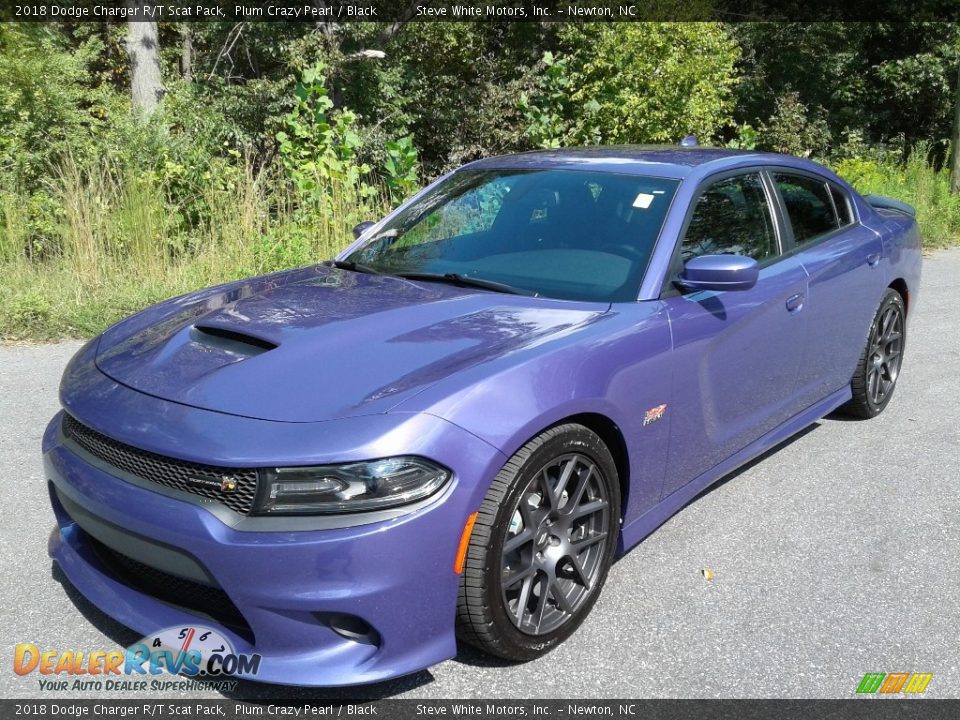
(230, 341)
(319, 344)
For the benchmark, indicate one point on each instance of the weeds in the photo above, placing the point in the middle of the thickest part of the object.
(916, 181)
(119, 245)
(119, 242)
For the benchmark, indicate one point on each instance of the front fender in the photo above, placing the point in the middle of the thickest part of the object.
(618, 368)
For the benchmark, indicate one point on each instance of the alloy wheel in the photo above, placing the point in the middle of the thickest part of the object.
(554, 547)
(886, 354)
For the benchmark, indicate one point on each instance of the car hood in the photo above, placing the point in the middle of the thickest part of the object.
(321, 343)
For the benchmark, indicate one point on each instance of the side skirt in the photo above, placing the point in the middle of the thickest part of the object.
(638, 528)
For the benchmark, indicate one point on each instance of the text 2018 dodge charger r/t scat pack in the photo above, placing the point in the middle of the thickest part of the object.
(452, 429)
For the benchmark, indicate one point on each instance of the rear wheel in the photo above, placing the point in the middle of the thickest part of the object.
(541, 546)
(877, 371)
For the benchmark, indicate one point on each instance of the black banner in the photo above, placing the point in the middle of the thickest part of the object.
(862, 708)
(346, 11)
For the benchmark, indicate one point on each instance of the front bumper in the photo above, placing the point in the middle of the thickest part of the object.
(396, 575)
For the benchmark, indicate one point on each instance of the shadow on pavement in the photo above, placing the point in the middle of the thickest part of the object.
(756, 461)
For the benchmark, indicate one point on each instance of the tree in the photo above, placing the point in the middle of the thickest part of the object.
(955, 139)
(44, 99)
(459, 87)
(889, 82)
(650, 82)
(186, 53)
(143, 48)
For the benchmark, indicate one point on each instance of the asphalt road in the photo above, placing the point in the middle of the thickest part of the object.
(835, 555)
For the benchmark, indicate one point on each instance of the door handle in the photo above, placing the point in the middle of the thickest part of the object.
(795, 302)
(873, 259)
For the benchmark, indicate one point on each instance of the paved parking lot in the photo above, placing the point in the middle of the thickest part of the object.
(835, 555)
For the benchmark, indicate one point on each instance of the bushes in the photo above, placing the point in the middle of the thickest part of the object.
(44, 98)
(401, 168)
(918, 182)
(114, 254)
(168, 206)
(793, 129)
(121, 213)
(650, 82)
(266, 158)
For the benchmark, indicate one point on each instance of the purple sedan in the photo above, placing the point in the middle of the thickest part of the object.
(454, 428)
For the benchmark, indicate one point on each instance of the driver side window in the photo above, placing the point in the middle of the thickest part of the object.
(732, 216)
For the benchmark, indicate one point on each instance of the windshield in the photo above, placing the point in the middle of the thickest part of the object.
(563, 234)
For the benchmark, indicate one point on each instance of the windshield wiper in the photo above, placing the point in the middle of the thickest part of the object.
(465, 281)
(353, 267)
(451, 278)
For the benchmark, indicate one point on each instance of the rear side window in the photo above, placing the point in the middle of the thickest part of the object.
(732, 216)
(810, 206)
(842, 203)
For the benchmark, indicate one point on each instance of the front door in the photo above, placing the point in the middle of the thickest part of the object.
(736, 353)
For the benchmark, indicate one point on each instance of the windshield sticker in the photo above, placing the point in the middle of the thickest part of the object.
(643, 200)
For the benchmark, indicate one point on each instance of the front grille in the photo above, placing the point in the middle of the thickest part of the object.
(169, 472)
(192, 596)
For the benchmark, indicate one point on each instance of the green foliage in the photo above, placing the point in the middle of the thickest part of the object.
(918, 182)
(48, 108)
(401, 168)
(318, 147)
(458, 85)
(744, 137)
(884, 80)
(44, 96)
(545, 113)
(31, 309)
(286, 136)
(115, 256)
(793, 129)
(646, 82)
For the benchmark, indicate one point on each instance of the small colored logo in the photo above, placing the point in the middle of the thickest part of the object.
(194, 652)
(228, 483)
(894, 683)
(654, 414)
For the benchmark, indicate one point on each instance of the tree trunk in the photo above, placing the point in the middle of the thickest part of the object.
(143, 47)
(186, 53)
(955, 140)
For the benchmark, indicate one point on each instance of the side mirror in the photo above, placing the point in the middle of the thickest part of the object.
(719, 272)
(360, 228)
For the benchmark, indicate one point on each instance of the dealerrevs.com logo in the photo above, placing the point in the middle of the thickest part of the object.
(194, 652)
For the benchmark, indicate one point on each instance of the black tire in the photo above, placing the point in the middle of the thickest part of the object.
(540, 537)
(877, 371)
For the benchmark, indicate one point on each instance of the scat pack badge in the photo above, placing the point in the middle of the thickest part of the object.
(654, 414)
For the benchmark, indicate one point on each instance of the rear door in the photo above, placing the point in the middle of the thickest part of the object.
(846, 279)
(736, 353)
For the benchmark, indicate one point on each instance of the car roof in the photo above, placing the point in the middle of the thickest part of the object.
(671, 161)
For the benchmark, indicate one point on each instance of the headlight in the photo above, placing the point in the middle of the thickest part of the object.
(354, 487)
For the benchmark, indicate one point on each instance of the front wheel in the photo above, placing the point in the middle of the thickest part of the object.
(877, 371)
(541, 546)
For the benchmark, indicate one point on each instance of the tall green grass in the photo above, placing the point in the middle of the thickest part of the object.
(916, 181)
(121, 243)
(121, 240)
